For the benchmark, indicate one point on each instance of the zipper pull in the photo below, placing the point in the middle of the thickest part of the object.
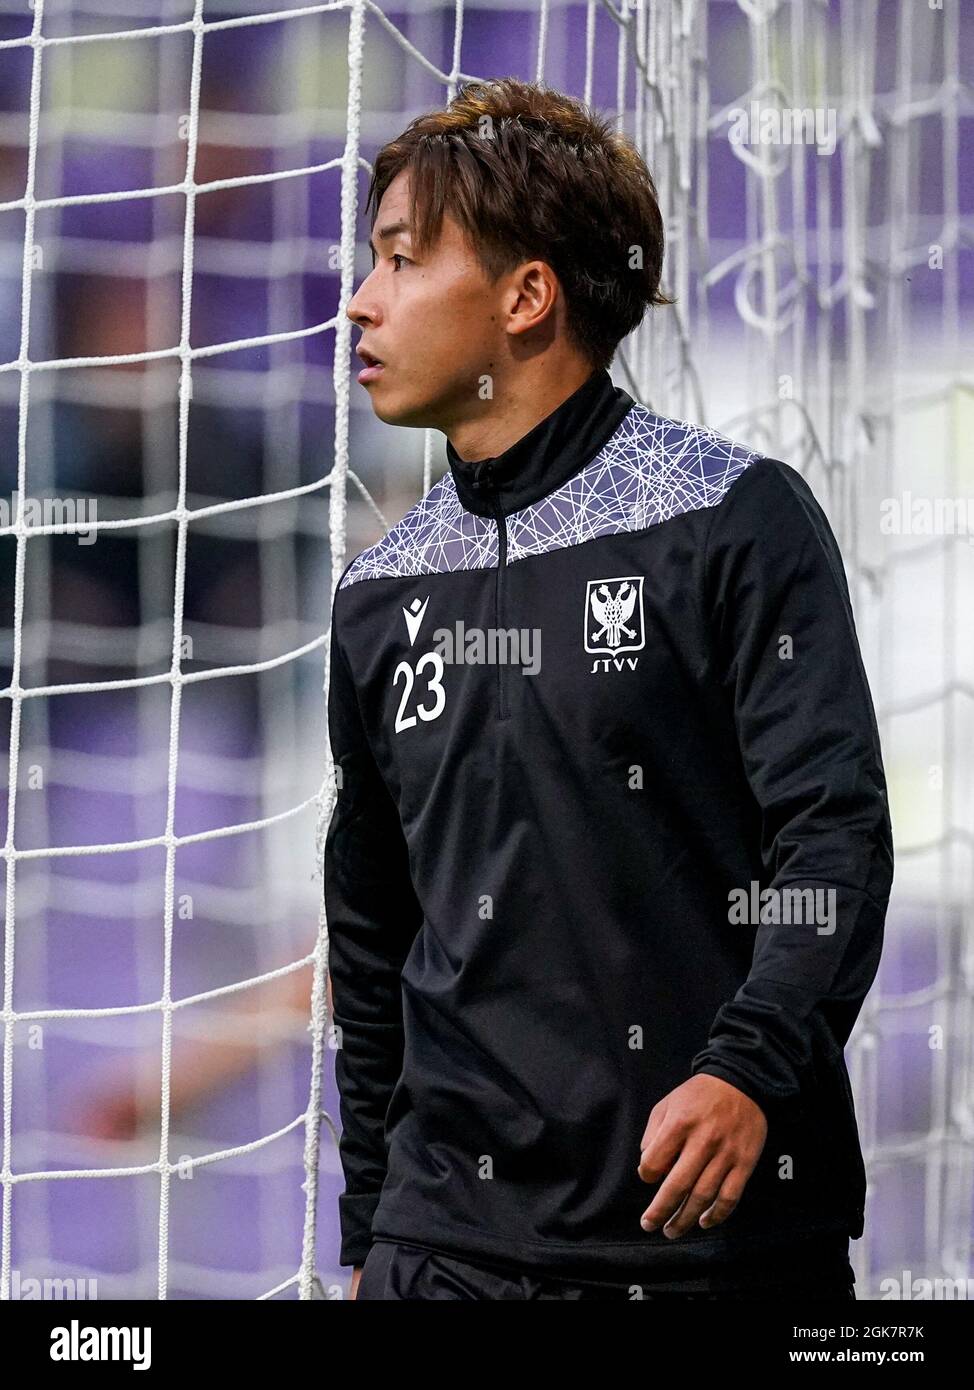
(484, 481)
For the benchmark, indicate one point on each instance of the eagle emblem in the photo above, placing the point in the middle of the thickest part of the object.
(614, 615)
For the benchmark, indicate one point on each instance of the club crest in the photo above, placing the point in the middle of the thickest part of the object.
(613, 617)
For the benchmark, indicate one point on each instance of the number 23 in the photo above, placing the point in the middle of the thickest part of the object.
(406, 721)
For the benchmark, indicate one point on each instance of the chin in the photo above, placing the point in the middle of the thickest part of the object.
(393, 410)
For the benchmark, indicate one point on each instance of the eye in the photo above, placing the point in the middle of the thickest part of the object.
(397, 257)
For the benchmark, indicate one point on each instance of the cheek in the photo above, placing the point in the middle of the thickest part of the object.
(450, 315)
(468, 332)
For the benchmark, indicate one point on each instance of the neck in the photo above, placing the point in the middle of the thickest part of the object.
(547, 454)
(518, 404)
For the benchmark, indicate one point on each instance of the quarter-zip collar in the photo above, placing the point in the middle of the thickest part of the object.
(557, 448)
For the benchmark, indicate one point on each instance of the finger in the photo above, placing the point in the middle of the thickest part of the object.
(661, 1153)
(656, 1117)
(731, 1191)
(706, 1192)
(662, 1148)
(677, 1186)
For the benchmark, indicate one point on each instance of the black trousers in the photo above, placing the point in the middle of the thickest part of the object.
(398, 1271)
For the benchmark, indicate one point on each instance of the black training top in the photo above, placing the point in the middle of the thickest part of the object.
(595, 705)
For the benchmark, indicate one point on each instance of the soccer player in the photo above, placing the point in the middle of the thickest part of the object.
(608, 869)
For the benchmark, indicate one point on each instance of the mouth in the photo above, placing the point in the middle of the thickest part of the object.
(373, 367)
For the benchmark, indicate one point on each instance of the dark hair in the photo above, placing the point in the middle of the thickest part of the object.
(530, 173)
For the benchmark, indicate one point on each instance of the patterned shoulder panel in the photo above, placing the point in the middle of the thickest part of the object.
(436, 535)
(651, 469)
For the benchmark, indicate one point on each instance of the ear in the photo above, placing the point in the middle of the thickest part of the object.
(533, 295)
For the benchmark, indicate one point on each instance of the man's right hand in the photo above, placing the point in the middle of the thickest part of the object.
(353, 1287)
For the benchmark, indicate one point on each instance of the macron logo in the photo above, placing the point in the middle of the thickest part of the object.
(414, 616)
(76, 1343)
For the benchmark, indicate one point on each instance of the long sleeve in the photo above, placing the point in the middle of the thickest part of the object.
(787, 658)
(372, 917)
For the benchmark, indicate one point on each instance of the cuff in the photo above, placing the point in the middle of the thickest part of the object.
(355, 1213)
(777, 1108)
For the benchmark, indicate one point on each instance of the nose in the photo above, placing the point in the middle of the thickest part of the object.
(356, 308)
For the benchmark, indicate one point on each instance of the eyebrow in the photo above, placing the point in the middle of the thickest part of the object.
(389, 230)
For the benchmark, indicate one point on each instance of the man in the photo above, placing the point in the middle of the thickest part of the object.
(608, 869)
